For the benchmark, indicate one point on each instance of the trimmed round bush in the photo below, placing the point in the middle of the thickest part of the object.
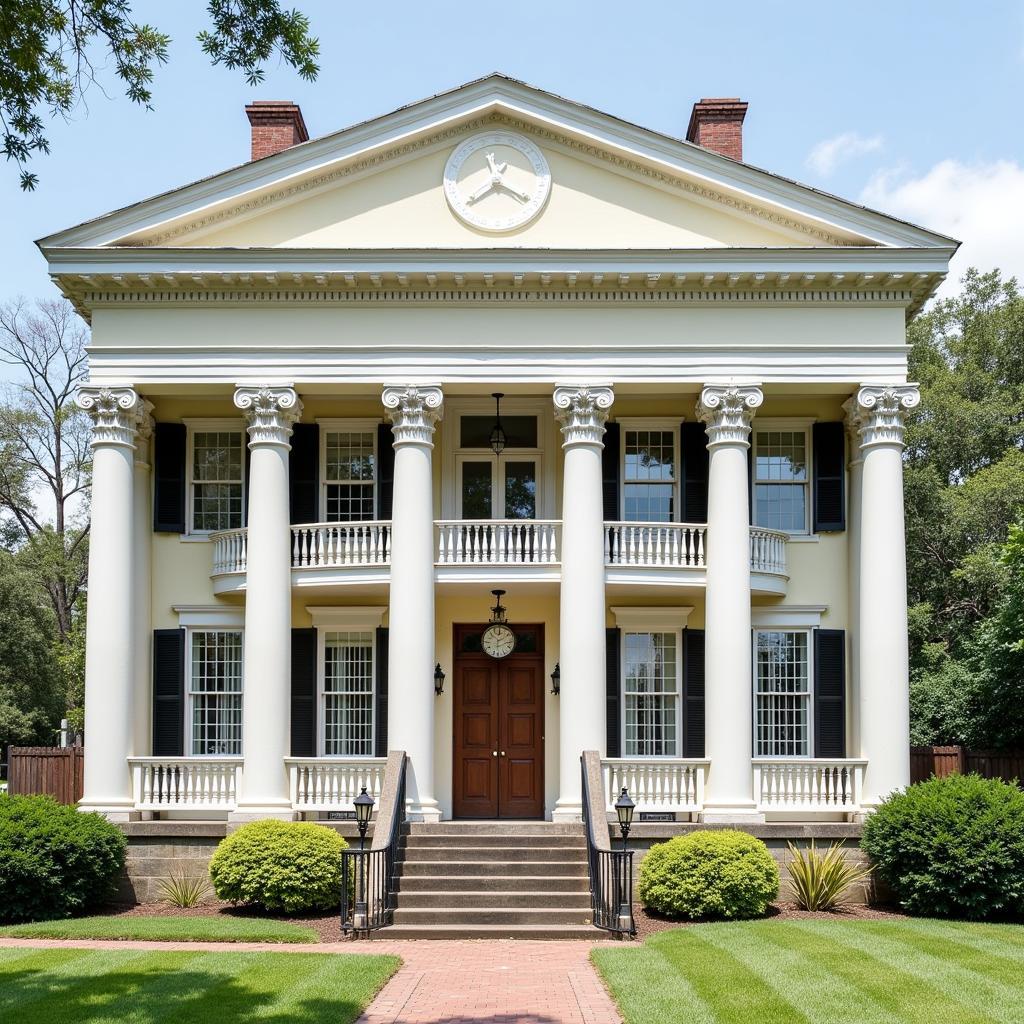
(723, 874)
(952, 847)
(54, 860)
(279, 865)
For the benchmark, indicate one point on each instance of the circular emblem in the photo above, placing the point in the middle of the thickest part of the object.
(497, 181)
(498, 641)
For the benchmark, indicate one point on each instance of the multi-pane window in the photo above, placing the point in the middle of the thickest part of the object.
(651, 685)
(348, 694)
(217, 472)
(349, 475)
(649, 477)
(215, 692)
(781, 479)
(782, 693)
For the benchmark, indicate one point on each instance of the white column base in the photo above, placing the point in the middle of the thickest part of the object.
(112, 810)
(570, 812)
(428, 811)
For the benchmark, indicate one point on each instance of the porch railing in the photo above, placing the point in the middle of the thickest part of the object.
(320, 784)
(230, 551)
(185, 783)
(767, 551)
(339, 544)
(656, 784)
(497, 541)
(665, 545)
(808, 786)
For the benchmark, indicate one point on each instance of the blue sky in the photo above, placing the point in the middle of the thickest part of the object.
(913, 107)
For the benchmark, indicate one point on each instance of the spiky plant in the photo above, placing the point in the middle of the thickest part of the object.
(182, 890)
(821, 881)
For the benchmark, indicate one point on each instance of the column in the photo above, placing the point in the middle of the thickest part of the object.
(142, 595)
(581, 411)
(414, 412)
(877, 415)
(726, 411)
(853, 501)
(109, 641)
(266, 690)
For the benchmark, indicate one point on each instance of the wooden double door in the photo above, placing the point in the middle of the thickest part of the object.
(498, 749)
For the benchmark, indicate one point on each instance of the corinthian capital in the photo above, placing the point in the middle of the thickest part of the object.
(582, 411)
(114, 413)
(413, 411)
(726, 411)
(143, 431)
(269, 412)
(877, 413)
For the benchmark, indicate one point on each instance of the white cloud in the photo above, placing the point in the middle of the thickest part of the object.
(981, 204)
(829, 154)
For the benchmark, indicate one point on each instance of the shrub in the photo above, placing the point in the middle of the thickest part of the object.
(54, 860)
(821, 881)
(709, 874)
(279, 865)
(182, 890)
(952, 847)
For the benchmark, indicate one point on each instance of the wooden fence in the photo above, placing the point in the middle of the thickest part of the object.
(942, 761)
(53, 770)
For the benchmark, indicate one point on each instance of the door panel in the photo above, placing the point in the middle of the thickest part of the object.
(521, 724)
(475, 697)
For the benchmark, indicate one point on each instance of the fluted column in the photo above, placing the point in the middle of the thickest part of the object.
(726, 411)
(142, 598)
(109, 640)
(877, 415)
(582, 412)
(414, 412)
(266, 691)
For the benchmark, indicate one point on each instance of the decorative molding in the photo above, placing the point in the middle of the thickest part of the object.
(346, 617)
(413, 410)
(877, 413)
(633, 618)
(269, 412)
(143, 432)
(787, 616)
(212, 616)
(114, 413)
(582, 410)
(727, 410)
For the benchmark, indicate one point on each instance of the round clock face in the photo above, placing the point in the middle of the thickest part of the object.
(497, 181)
(498, 641)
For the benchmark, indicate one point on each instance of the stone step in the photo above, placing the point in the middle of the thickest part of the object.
(495, 828)
(502, 839)
(488, 867)
(498, 854)
(492, 883)
(491, 931)
(491, 915)
(526, 899)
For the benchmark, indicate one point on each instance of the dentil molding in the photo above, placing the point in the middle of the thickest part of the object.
(727, 410)
(582, 411)
(269, 412)
(413, 411)
(877, 413)
(114, 413)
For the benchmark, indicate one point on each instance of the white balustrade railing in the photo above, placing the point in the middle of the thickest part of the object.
(808, 785)
(655, 783)
(340, 544)
(664, 545)
(497, 541)
(767, 551)
(322, 784)
(185, 783)
(229, 551)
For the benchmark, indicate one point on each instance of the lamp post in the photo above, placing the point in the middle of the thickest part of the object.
(624, 808)
(364, 808)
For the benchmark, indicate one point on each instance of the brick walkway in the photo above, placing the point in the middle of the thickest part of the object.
(483, 982)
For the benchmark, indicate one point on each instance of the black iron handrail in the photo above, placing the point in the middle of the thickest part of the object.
(611, 876)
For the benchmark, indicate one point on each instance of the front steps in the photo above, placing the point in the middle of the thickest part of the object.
(493, 880)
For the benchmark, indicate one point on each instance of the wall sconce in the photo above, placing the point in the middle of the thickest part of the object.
(556, 680)
(438, 680)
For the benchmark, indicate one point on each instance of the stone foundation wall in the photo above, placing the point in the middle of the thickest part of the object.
(158, 851)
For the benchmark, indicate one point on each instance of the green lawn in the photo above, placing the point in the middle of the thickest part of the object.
(53, 986)
(222, 928)
(828, 972)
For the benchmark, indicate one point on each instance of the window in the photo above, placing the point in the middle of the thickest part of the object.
(217, 479)
(348, 694)
(781, 458)
(215, 692)
(651, 683)
(782, 693)
(649, 475)
(350, 471)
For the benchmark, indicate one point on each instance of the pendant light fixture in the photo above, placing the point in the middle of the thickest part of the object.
(497, 434)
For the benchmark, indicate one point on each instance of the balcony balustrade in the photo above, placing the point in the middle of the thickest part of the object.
(657, 783)
(497, 541)
(185, 783)
(768, 551)
(808, 786)
(661, 545)
(322, 784)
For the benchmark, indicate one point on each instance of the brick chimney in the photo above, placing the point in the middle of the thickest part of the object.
(276, 125)
(717, 124)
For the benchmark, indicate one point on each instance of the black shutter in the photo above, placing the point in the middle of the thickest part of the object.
(693, 693)
(380, 740)
(168, 692)
(385, 470)
(303, 693)
(304, 474)
(613, 695)
(829, 477)
(830, 693)
(610, 472)
(693, 446)
(169, 478)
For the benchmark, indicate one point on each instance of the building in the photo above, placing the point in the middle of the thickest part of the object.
(306, 491)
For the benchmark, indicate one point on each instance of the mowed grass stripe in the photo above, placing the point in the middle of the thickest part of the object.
(976, 950)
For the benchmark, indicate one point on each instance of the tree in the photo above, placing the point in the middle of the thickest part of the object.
(50, 48)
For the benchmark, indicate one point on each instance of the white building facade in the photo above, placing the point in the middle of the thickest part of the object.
(688, 494)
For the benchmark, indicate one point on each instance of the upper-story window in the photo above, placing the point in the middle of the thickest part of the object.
(215, 692)
(652, 685)
(782, 693)
(650, 461)
(781, 477)
(498, 486)
(216, 466)
(349, 473)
